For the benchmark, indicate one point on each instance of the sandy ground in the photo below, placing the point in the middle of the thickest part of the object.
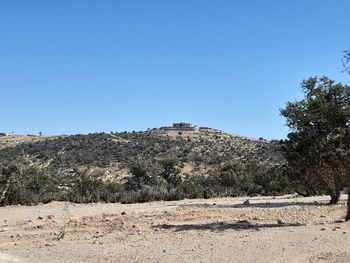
(269, 229)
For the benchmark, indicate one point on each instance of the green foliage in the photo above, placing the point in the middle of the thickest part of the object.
(170, 171)
(27, 185)
(346, 61)
(85, 188)
(247, 179)
(143, 173)
(193, 186)
(317, 149)
(31, 184)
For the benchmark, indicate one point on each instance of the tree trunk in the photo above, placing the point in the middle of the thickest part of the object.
(3, 194)
(348, 186)
(336, 198)
(333, 200)
(348, 212)
(337, 188)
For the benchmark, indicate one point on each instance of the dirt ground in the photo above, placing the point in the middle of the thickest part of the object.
(268, 229)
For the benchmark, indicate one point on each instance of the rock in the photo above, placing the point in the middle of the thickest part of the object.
(280, 221)
(339, 221)
(40, 218)
(123, 213)
(246, 202)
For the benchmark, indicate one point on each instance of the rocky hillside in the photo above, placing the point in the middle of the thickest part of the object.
(198, 152)
(12, 140)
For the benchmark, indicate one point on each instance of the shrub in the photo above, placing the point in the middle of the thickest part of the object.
(27, 185)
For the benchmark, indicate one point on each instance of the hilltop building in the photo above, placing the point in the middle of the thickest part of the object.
(182, 125)
(186, 126)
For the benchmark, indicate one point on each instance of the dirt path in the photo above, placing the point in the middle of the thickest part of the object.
(283, 229)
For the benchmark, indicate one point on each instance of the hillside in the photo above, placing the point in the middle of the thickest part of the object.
(13, 140)
(198, 152)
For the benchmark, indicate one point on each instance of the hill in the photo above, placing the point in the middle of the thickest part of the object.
(198, 151)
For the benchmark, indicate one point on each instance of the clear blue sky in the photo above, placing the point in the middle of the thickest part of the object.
(70, 66)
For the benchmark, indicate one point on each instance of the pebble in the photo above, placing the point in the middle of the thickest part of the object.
(280, 221)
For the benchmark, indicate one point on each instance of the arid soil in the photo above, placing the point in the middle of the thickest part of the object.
(13, 140)
(265, 229)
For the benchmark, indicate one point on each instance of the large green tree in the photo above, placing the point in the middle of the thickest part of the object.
(318, 146)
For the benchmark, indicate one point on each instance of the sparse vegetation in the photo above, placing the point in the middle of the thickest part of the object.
(137, 167)
(148, 182)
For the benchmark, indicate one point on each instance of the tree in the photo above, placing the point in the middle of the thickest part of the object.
(308, 173)
(346, 61)
(318, 145)
(143, 173)
(7, 177)
(170, 171)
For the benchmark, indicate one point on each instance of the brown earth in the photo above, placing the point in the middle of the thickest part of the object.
(13, 140)
(268, 229)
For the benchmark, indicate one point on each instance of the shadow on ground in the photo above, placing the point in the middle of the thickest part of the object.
(260, 205)
(222, 226)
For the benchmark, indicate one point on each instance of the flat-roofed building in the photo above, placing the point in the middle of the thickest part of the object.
(182, 125)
